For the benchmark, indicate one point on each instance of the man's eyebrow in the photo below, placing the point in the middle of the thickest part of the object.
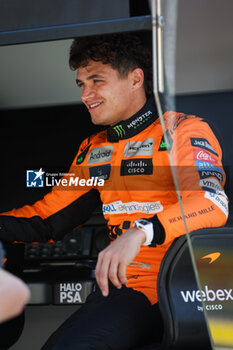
(93, 76)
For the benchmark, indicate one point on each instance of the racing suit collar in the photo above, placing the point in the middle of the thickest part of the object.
(135, 124)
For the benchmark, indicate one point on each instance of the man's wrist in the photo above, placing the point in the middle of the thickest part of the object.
(141, 235)
(147, 227)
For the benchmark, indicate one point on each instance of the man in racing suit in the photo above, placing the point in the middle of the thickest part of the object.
(133, 179)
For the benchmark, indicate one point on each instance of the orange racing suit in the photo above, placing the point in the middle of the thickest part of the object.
(131, 163)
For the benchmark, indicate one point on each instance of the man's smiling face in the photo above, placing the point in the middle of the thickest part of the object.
(109, 97)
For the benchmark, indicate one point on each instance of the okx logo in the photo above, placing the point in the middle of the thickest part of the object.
(35, 178)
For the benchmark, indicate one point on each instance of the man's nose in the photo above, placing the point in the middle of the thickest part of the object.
(87, 92)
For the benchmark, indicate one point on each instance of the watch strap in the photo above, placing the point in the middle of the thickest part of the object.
(147, 227)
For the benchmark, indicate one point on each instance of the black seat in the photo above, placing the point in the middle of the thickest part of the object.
(179, 299)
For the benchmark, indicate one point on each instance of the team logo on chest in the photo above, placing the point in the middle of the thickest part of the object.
(139, 148)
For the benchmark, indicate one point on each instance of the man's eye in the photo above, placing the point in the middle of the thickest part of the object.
(80, 85)
(98, 81)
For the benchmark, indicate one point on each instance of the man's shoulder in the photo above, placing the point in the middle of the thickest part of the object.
(100, 136)
(89, 143)
(175, 120)
(94, 139)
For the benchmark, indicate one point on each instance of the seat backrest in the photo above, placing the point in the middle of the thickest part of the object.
(179, 296)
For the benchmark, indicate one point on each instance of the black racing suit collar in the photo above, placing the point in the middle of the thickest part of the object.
(135, 124)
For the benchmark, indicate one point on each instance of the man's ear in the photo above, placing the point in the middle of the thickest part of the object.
(137, 78)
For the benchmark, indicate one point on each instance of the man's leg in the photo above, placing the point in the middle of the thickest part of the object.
(120, 321)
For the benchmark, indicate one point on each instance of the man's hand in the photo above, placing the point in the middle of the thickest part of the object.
(14, 295)
(113, 260)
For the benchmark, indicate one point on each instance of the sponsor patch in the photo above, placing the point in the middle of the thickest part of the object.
(137, 166)
(100, 155)
(100, 171)
(119, 207)
(211, 173)
(139, 120)
(203, 165)
(140, 265)
(211, 185)
(120, 131)
(219, 200)
(200, 154)
(139, 148)
(203, 143)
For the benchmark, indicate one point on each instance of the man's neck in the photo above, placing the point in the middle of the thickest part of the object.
(135, 124)
(137, 103)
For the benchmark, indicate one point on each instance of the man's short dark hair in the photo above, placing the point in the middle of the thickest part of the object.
(123, 51)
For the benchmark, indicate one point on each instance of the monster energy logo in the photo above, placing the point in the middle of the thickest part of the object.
(119, 130)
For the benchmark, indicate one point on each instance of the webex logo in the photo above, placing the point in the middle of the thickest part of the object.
(206, 295)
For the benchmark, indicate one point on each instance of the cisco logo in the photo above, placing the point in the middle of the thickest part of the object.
(207, 295)
(137, 166)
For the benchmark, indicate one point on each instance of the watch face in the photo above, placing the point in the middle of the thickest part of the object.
(144, 222)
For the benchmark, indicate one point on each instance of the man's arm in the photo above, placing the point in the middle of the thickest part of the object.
(113, 260)
(197, 160)
(50, 218)
(57, 214)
